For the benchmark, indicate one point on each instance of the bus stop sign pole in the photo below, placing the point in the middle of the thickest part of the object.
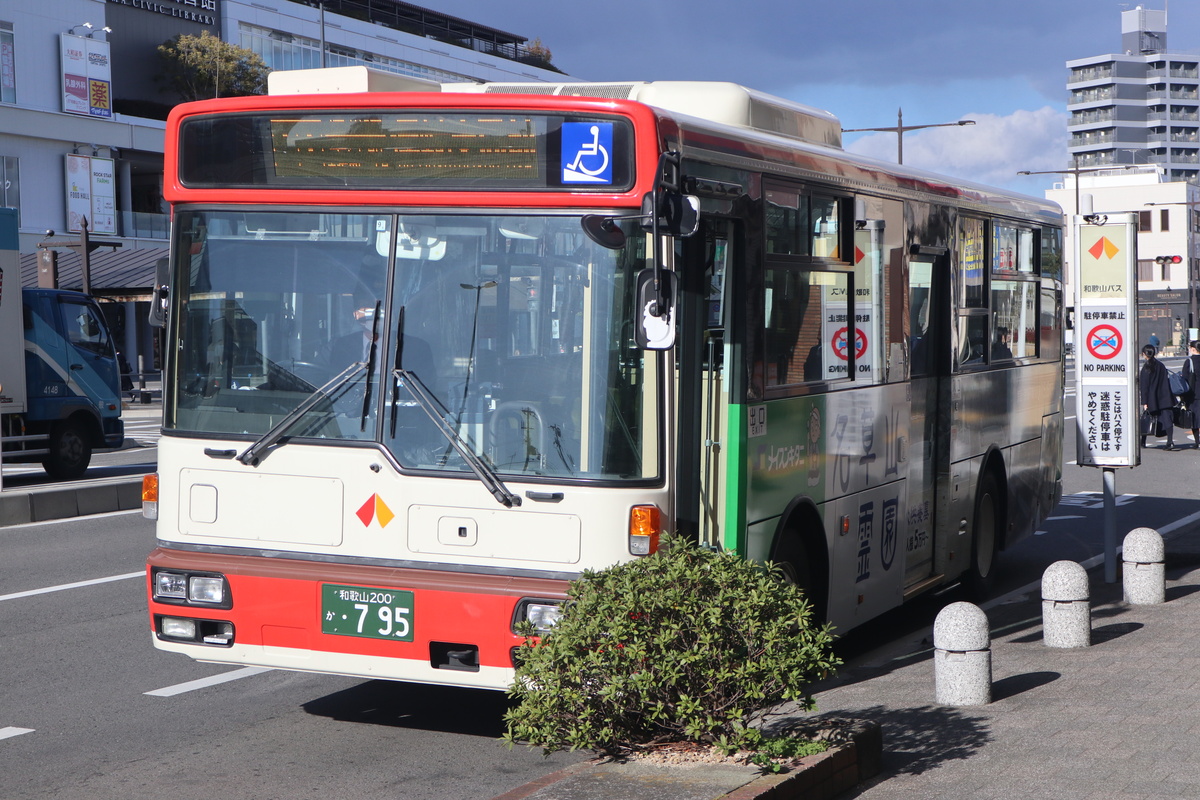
(1106, 402)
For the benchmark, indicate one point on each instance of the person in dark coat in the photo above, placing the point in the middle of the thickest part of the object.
(1154, 389)
(1191, 373)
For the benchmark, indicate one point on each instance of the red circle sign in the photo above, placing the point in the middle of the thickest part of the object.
(1104, 342)
(840, 344)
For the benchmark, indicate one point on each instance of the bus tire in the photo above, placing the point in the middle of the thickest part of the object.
(70, 451)
(986, 530)
(802, 566)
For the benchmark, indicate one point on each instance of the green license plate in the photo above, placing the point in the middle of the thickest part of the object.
(367, 612)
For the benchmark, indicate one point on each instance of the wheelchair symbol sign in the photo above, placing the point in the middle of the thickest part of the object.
(586, 152)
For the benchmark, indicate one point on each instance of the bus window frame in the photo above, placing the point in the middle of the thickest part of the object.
(965, 316)
(808, 195)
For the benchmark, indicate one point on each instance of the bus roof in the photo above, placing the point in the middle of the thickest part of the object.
(719, 119)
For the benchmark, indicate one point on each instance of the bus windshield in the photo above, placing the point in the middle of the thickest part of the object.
(316, 326)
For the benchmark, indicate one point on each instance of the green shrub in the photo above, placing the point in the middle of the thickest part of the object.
(686, 645)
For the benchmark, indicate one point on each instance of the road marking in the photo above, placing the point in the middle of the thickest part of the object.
(61, 520)
(1165, 531)
(203, 683)
(8, 733)
(79, 585)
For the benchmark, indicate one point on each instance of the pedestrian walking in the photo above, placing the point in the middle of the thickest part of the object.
(1154, 341)
(1191, 373)
(1154, 390)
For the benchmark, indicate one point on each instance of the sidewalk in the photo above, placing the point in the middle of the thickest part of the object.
(1120, 719)
(1117, 720)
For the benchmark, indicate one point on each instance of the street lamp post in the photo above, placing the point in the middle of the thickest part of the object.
(1076, 171)
(900, 128)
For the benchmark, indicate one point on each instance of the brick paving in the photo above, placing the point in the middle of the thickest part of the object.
(1119, 719)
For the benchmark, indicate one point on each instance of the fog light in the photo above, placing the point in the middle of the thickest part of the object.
(176, 628)
(170, 584)
(202, 589)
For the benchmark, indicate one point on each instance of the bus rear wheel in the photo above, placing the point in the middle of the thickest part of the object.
(985, 538)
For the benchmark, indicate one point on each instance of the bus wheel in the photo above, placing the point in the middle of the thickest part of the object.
(70, 452)
(796, 562)
(985, 539)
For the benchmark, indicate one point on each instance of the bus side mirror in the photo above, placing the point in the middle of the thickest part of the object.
(678, 213)
(655, 320)
(160, 293)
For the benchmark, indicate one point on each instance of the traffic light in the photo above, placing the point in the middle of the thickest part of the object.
(1168, 260)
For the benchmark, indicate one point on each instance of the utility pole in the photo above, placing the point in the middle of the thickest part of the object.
(47, 263)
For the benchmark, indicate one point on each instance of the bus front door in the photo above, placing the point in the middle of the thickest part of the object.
(702, 393)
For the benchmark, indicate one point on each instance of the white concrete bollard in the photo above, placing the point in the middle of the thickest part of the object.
(1144, 570)
(962, 656)
(1066, 612)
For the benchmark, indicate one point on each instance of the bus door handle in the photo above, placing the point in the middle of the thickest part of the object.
(213, 452)
(545, 497)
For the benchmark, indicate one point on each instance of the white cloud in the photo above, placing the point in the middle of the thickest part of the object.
(992, 151)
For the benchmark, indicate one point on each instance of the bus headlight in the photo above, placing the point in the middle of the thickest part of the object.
(171, 585)
(542, 614)
(209, 589)
(203, 589)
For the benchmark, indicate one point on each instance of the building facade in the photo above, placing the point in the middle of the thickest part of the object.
(1138, 106)
(1168, 215)
(82, 116)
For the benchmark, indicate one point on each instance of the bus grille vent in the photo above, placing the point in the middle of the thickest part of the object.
(611, 91)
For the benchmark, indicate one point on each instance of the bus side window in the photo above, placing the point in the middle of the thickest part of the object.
(808, 336)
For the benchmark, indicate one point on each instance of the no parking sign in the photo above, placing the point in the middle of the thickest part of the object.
(1106, 362)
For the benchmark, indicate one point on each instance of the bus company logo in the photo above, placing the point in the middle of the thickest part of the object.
(1104, 247)
(375, 509)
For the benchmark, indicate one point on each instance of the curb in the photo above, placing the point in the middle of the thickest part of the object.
(855, 758)
(103, 496)
(824, 775)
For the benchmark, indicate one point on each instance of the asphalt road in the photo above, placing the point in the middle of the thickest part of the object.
(88, 709)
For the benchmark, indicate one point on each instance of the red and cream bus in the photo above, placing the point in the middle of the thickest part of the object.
(435, 351)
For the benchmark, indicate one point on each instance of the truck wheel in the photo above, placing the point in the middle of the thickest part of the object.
(70, 452)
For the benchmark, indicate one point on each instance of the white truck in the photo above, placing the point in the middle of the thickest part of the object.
(59, 378)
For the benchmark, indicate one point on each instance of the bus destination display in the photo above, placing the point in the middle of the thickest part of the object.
(412, 149)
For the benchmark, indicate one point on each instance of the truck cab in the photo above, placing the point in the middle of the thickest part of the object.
(59, 379)
(72, 381)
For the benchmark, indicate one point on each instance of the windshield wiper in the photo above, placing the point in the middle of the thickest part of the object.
(429, 404)
(254, 454)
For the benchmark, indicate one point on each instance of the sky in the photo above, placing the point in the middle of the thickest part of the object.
(1001, 63)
